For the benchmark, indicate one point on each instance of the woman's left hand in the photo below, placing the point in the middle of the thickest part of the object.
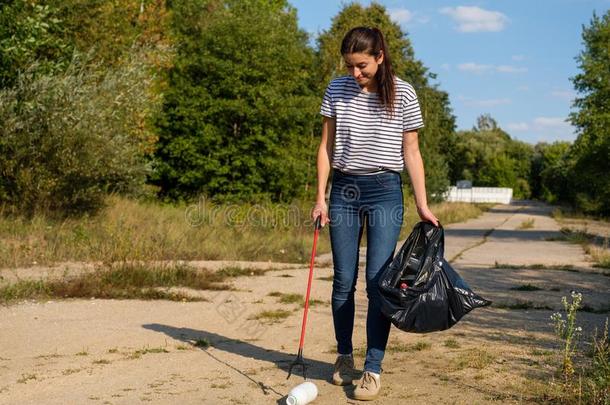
(426, 215)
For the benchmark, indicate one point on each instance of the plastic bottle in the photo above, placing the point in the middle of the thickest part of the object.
(302, 394)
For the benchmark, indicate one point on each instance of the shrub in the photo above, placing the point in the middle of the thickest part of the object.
(69, 138)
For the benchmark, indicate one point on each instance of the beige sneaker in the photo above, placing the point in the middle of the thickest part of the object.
(344, 370)
(367, 387)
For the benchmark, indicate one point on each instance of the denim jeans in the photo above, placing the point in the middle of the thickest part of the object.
(355, 200)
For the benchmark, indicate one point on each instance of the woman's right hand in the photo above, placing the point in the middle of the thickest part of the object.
(320, 210)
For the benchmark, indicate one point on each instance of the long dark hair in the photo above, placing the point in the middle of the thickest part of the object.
(370, 40)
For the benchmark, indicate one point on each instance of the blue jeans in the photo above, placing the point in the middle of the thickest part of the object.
(355, 200)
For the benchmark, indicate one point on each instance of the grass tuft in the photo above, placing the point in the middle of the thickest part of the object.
(409, 347)
(473, 358)
(451, 343)
(522, 305)
(527, 224)
(526, 287)
(272, 316)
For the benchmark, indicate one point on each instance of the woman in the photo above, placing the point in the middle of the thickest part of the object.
(369, 134)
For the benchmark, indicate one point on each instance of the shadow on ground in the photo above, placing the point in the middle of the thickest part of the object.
(316, 370)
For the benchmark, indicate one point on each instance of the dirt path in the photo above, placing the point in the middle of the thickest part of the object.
(125, 352)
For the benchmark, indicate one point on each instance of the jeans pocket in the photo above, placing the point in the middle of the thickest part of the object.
(389, 180)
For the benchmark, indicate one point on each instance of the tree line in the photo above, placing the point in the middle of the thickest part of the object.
(174, 99)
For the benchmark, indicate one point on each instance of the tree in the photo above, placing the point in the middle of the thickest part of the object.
(488, 156)
(589, 181)
(30, 33)
(550, 168)
(437, 137)
(237, 115)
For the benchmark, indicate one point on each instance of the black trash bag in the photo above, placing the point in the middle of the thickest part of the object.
(435, 297)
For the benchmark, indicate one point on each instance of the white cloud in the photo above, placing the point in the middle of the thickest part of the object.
(476, 19)
(551, 129)
(510, 69)
(470, 102)
(564, 94)
(401, 15)
(518, 126)
(479, 68)
(474, 67)
(518, 58)
(550, 122)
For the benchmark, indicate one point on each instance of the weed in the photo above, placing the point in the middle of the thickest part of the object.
(272, 316)
(526, 287)
(202, 343)
(568, 332)
(26, 377)
(451, 343)
(528, 224)
(411, 347)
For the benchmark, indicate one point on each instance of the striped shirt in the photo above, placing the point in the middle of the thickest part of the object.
(367, 139)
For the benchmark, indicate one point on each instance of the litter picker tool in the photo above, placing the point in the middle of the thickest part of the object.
(299, 361)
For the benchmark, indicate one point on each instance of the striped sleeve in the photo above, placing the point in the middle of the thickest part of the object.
(412, 118)
(328, 107)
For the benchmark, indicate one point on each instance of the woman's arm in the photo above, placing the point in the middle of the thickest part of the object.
(415, 168)
(325, 152)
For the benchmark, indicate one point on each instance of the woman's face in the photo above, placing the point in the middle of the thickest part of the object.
(362, 66)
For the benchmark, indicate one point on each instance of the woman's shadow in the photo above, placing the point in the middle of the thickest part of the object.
(316, 370)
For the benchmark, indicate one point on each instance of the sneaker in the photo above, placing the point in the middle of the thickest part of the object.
(344, 370)
(367, 387)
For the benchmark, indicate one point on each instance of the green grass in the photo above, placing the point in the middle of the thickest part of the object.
(272, 316)
(202, 343)
(286, 298)
(409, 347)
(127, 281)
(291, 298)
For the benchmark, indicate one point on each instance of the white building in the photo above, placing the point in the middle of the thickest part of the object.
(502, 195)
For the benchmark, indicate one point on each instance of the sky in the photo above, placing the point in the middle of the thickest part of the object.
(512, 59)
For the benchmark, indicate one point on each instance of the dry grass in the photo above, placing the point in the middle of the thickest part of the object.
(473, 358)
(600, 255)
(126, 281)
(133, 230)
